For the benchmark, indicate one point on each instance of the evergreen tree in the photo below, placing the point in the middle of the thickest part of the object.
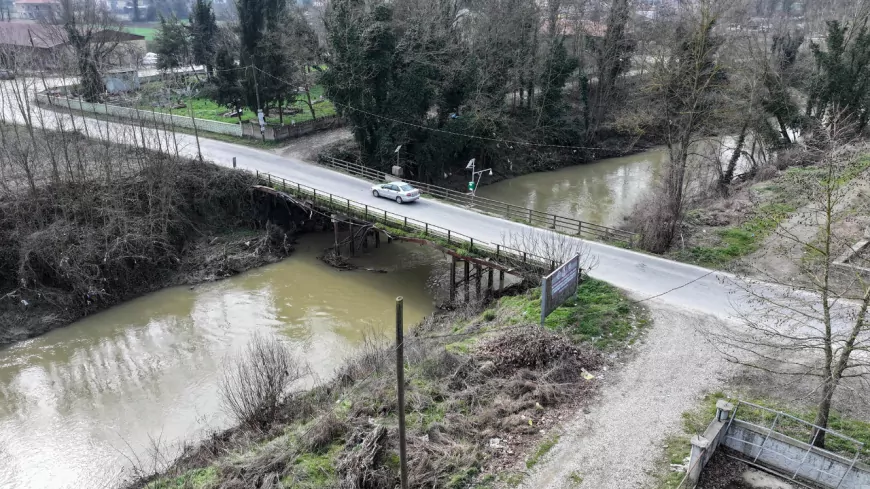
(227, 82)
(842, 80)
(173, 45)
(256, 19)
(203, 33)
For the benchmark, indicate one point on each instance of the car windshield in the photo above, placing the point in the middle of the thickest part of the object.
(405, 187)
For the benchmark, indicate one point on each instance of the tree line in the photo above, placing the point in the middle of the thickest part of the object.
(261, 62)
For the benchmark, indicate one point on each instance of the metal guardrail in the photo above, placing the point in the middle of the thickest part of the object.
(498, 253)
(561, 224)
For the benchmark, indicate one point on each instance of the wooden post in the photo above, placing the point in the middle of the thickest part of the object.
(352, 241)
(500, 279)
(580, 228)
(448, 236)
(234, 161)
(377, 239)
(489, 284)
(400, 387)
(530, 216)
(477, 276)
(453, 279)
(467, 283)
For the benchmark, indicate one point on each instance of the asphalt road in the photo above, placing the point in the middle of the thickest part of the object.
(646, 276)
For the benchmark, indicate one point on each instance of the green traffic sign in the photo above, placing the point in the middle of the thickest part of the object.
(470, 185)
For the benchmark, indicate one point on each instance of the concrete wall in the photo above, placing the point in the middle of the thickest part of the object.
(790, 456)
(280, 133)
(133, 114)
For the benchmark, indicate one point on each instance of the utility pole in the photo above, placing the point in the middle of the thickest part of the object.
(400, 376)
(472, 185)
(260, 117)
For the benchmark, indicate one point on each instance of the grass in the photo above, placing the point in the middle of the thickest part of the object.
(210, 110)
(148, 32)
(312, 471)
(599, 314)
(542, 450)
(739, 241)
(192, 479)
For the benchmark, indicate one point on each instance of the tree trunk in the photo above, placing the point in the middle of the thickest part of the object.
(308, 93)
(783, 130)
(824, 413)
(281, 112)
(728, 175)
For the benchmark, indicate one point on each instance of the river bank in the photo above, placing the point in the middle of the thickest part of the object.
(485, 389)
(86, 226)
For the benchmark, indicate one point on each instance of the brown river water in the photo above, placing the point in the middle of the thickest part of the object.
(79, 404)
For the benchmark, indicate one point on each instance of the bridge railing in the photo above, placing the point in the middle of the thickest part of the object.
(411, 227)
(561, 224)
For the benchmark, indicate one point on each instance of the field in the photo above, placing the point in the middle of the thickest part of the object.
(148, 32)
(210, 110)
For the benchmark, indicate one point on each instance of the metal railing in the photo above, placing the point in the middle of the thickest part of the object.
(497, 253)
(770, 422)
(561, 224)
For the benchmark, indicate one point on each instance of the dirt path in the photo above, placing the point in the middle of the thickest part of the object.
(616, 442)
(307, 147)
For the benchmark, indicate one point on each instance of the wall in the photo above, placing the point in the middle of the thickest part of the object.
(280, 133)
(133, 114)
(790, 456)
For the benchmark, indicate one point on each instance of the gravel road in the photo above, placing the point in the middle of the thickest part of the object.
(616, 442)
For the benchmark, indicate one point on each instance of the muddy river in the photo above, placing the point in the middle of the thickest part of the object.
(602, 192)
(77, 405)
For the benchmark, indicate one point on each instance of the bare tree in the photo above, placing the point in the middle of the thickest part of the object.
(93, 35)
(255, 382)
(815, 325)
(685, 84)
(555, 248)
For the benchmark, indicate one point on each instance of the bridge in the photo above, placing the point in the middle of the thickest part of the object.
(364, 222)
(675, 283)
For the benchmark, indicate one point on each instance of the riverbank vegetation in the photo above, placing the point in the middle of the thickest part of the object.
(85, 225)
(485, 391)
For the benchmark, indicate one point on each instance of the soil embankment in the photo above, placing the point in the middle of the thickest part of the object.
(84, 226)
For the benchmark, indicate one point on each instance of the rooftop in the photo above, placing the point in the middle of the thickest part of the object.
(42, 36)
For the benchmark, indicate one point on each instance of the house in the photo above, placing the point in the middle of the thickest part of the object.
(32, 46)
(36, 9)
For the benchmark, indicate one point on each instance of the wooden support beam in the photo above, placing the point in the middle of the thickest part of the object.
(478, 273)
(452, 279)
(466, 264)
(489, 284)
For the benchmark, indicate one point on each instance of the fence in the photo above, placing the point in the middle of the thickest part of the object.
(280, 133)
(565, 225)
(521, 260)
(784, 443)
(142, 115)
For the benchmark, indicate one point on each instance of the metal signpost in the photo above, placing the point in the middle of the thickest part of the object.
(559, 286)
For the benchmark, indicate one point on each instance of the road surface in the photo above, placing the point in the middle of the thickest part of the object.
(644, 275)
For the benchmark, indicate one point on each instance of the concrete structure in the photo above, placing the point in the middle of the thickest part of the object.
(119, 81)
(793, 459)
(142, 115)
(280, 133)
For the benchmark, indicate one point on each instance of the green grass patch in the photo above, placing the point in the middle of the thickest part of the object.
(148, 32)
(737, 242)
(311, 471)
(598, 313)
(192, 479)
(210, 110)
(542, 450)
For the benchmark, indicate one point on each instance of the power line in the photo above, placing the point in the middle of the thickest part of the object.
(444, 131)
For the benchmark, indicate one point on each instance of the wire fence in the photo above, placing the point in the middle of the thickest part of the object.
(561, 224)
(403, 226)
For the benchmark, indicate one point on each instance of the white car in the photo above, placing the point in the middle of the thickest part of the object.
(401, 192)
(150, 59)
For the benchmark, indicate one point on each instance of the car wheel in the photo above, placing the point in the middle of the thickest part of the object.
(398, 200)
(375, 193)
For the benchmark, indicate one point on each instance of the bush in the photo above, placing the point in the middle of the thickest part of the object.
(255, 383)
